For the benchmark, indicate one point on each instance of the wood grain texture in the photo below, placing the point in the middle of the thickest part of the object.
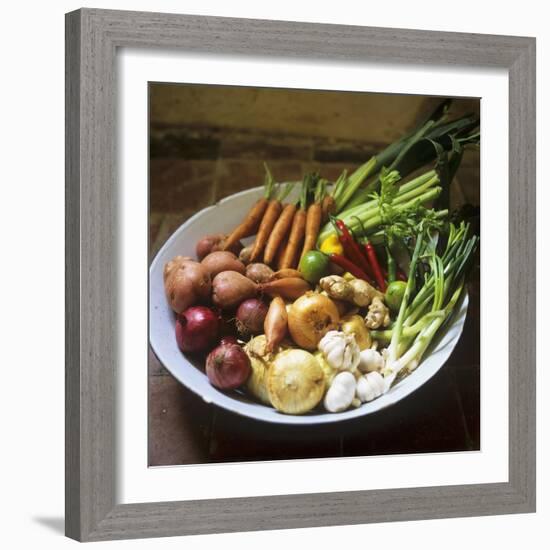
(72, 277)
(92, 37)
(522, 274)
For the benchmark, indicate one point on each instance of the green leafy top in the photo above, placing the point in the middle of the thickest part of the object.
(402, 223)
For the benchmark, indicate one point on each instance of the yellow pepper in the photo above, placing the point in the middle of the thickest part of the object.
(332, 245)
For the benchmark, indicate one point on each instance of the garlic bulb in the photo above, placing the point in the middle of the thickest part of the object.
(341, 392)
(370, 386)
(340, 350)
(370, 360)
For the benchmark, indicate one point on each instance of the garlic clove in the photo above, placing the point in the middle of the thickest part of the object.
(370, 360)
(370, 386)
(341, 392)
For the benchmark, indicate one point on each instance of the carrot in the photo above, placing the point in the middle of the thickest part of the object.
(249, 225)
(297, 232)
(313, 224)
(295, 240)
(251, 222)
(280, 231)
(313, 219)
(269, 220)
(270, 217)
(278, 261)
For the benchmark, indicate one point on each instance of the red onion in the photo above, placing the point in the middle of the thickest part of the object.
(226, 340)
(197, 329)
(250, 316)
(227, 366)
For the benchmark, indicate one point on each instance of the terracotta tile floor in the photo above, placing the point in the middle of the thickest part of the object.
(443, 415)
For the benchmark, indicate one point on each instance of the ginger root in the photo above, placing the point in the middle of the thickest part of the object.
(363, 293)
(356, 291)
(378, 315)
(337, 287)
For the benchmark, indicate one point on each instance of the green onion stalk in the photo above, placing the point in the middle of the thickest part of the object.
(421, 316)
(455, 259)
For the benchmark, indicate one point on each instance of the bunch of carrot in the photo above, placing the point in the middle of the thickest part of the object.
(284, 232)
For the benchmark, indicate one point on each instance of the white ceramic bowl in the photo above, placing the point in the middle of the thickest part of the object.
(220, 218)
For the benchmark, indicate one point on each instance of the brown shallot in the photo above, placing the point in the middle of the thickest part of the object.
(230, 288)
(284, 273)
(259, 273)
(275, 323)
(290, 288)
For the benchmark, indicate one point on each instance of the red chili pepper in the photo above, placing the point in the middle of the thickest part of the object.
(348, 265)
(372, 260)
(371, 255)
(352, 249)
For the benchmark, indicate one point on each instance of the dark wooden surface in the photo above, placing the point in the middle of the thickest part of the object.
(190, 170)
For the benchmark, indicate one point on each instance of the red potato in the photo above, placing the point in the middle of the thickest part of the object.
(214, 243)
(222, 260)
(186, 283)
(174, 264)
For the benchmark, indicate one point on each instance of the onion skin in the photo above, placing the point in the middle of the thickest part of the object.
(295, 381)
(276, 323)
(213, 243)
(250, 316)
(227, 367)
(230, 288)
(186, 283)
(310, 318)
(354, 324)
(222, 260)
(259, 273)
(197, 329)
(290, 288)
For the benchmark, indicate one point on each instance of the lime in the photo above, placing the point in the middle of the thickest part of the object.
(314, 266)
(394, 294)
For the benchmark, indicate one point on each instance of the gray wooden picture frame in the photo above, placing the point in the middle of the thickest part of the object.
(92, 39)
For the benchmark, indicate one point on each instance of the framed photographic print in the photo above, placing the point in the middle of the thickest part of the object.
(300, 275)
